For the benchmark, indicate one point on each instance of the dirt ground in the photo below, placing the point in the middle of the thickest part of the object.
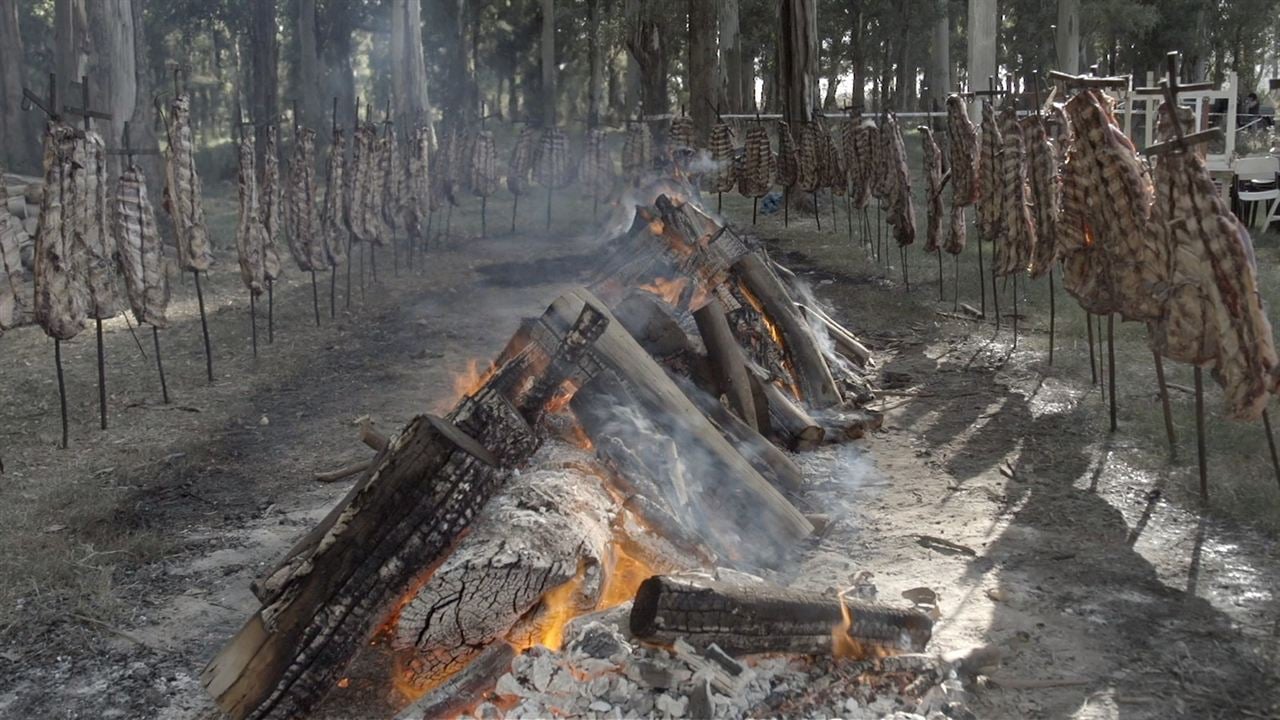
(1077, 551)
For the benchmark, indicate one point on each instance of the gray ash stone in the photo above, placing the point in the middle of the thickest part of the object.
(701, 706)
(598, 640)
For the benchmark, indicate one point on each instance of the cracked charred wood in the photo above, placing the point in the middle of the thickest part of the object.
(455, 695)
(395, 524)
(760, 618)
(742, 499)
(799, 430)
(727, 361)
(812, 374)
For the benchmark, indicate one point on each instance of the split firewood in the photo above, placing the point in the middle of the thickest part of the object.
(61, 297)
(183, 194)
(637, 151)
(722, 154)
(93, 232)
(270, 196)
(595, 168)
(752, 619)
(788, 166)
(1017, 244)
(1042, 171)
(933, 188)
(333, 214)
(727, 360)
(302, 215)
(251, 235)
(759, 164)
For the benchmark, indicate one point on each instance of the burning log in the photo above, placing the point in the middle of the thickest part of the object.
(727, 361)
(797, 428)
(455, 695)
(424, 491)
(751, 619)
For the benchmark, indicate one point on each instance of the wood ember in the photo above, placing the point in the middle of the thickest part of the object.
(333, 214)
(722, 154)
(788, 167)
(990, 180)
(1042, 172)
(1016, 247)
(932, 163)
(901, 214)
(751, 619)
(595, 168)
(637, 151)
(302, 214)
(1214, 305)
(15, 300)
(521, 164)
(183, 194)
(61, 297)
(553, 169)
(759, 164)
(251, 234)
(270, 197)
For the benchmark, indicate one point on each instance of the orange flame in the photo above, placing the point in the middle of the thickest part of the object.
(472, 379)
(557, 609)
(669, 289)
(627, 569)
(843, 644)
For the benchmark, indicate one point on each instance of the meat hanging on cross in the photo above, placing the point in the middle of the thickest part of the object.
(962, 138)
(521, 164)
(759, 164)
(637, 151)
(251, 235)
(376, 195)
(270, 196)
(15, 303)
(553, 169)
(1017, 243)
(932, 164)
(484, 165)
(595, 169)
(881, 158)
(788, 166)
(722, 154)
(831, 164)
(989, 195)
(140, 250)
(901, 214)
(302, 216)
(680, 138)
(93, 232)
(333, 221)
(393, 182)
(1212, 310)
(809, 176)
(60, 295)
(182, 192)
(1084, 271)
(865, 148)
(357, 185)
(1042, 173)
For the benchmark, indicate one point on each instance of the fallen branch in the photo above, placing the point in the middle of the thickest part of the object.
(343, 472)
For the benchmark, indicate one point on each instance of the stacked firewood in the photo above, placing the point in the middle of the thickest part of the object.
(333, 214)
(251, 234)
(933, 177)
(1212, 313)
(270, 200)
(963, 141)
(1042, 172)
(759, 164)
(61, 296)
(901, 212)
(722, 154)
(141, 250)
(183, 192)
(1017, 242)
(595, 168)
(302, 214)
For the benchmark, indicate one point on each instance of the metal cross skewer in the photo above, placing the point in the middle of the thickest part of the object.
(89, 116)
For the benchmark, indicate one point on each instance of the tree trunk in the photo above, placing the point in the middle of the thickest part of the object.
(983, 31)
(702, 67)
(548, 46)
(408, 66)
(798, 59)
(939, 77)
(264, 63)
(731, 58)
(858, 59)
(749, 101)
(311, 102)
(1068, 39)
(22, 145)
(456, 92)
(69, 47)
(337, 56)
(595, 61)
(645, 43)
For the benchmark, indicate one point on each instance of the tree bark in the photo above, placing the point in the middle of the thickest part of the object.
(1068, 40)
(548, 47)
(939, 77)
(595, 61)
(311, 102)
(858, 59)
(644, 41)
(702, 67)
(142, 131)
(731, 57)
(264, 63)
(22, 146)
(798, 59)
(762, 618)
(983, 31)
(408, 66)
(69, 47)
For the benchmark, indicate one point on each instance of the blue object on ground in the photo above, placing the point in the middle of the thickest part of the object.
(772, 203)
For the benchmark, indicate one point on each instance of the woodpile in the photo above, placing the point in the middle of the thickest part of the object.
(759, 164)
(932, 164)
(488, 525)
(301, 211)
(141, 250)
(251, 234)
(60, 295)
(271, 203)
(183, 193)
